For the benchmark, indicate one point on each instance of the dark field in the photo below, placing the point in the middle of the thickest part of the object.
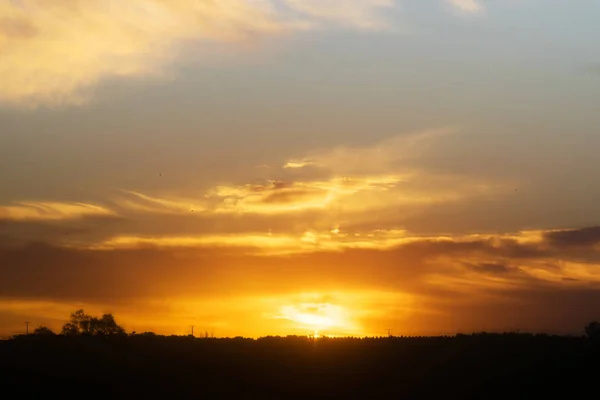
(485, 366)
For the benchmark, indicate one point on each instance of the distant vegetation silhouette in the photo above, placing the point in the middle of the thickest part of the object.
(43, 331)
(83, 324)
(592, 330)
(95, 358)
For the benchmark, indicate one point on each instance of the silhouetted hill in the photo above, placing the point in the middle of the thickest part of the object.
(486, 366)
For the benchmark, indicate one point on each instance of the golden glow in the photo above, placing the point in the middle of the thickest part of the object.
(352, 313)
(317, 317)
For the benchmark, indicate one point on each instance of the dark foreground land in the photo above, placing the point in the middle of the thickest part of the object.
(485, 366)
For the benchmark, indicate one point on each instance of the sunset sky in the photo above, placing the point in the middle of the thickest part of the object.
(274, 167)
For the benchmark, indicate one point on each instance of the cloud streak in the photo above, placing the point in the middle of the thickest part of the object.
(51, 211)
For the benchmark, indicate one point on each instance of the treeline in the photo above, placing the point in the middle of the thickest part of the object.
(82, 324)
(470, 366)
(96, 357)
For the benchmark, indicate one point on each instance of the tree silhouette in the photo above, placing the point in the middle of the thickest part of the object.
(43, 331)
(70, 329)
(80, 323)
(592, 330)
(108, 326)
(83, 324)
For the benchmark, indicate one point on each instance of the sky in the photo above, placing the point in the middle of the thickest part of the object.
(275, 167)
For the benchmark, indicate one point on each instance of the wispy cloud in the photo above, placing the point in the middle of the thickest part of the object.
(40, 211)
(280, 244)
(382, 157)
(342, 179)
(467, 6)
(53, 51)
(295, 164)
(139, 202)
(364, 14)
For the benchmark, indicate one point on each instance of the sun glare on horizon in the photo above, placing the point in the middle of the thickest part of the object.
(320, 319)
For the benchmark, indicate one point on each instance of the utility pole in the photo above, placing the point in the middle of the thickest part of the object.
(27, 327)
(193, 326)
(389, 330)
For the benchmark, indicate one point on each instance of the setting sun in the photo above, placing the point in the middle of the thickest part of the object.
(320, 318)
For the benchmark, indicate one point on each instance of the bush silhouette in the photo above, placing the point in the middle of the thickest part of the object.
(43, 331)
